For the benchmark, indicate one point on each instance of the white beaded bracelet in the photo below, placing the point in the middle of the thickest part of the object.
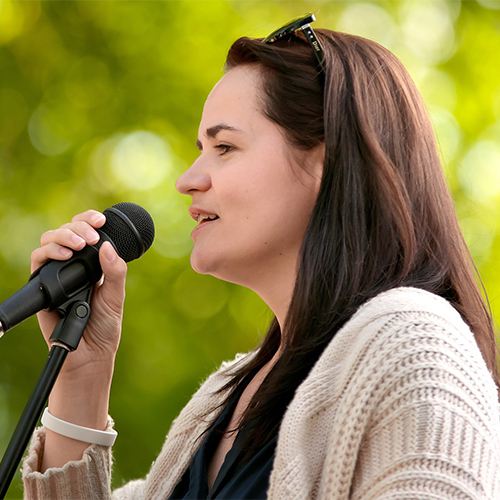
(85, 434)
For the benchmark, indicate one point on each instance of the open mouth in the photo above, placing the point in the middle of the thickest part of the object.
(202, 218)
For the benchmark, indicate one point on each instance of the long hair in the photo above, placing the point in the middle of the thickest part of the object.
(383, 218)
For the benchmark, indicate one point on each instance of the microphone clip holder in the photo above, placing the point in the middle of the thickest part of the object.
(65, 338)
(75, 314)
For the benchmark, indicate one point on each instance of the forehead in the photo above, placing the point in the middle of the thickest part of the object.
(234, 99)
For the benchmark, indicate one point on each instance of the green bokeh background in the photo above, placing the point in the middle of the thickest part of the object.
(100, 102)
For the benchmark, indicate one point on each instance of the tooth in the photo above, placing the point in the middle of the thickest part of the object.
(202, 217)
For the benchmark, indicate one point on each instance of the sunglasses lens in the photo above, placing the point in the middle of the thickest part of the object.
(304, 23)
(288, 28)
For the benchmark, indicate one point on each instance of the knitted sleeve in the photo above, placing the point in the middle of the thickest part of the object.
(432, 419)
(89, 477)
(85, 479)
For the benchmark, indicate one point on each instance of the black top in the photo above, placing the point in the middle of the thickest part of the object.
(237, 479)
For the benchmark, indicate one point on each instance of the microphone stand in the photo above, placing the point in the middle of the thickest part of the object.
(65, 338)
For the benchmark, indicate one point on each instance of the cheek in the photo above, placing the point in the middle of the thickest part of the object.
(265, 195)
(240, 196)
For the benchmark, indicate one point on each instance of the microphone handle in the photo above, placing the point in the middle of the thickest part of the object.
(24, 303)
(53, 286)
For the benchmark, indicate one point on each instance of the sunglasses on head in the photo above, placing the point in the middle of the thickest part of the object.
(302, 23)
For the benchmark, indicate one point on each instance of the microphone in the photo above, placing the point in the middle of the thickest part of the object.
(131, 231)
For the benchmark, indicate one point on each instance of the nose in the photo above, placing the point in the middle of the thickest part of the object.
(193, 179)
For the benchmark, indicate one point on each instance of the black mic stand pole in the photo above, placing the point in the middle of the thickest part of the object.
(66, 337)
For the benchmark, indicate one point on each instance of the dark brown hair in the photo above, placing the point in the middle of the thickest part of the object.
(384, 216)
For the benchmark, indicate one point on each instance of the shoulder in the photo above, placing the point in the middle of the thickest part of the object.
(419, 382)
(405, 305)
(409, 319)
(408, 347)
(401, 393)
(418, 325)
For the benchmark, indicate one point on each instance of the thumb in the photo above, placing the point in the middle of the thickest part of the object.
(113, 266)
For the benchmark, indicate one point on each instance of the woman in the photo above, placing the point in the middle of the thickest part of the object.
(319, 187)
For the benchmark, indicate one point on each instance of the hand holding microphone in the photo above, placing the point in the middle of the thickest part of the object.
(81, 262)
(102, 334)
(89, 245)
(92, 249)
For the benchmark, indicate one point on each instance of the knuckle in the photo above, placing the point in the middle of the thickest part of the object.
(66, 233)
(82, 216)
(77, 217)
(82, 225)
(45, 238)
(89, 214)
(77, 227)
(86, 217)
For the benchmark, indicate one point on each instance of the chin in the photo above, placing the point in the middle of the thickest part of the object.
(202, 263)
(211, 264)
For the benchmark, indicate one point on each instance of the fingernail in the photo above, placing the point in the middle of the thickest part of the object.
(77, 240)
(65, 252)
(96, 218)
(109, 253)
(91, 236)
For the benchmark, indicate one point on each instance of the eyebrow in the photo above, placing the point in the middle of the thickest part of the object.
(213, 131)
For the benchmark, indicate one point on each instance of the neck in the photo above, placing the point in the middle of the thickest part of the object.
(276, 290)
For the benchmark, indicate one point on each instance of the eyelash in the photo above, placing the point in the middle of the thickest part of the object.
(225, 148)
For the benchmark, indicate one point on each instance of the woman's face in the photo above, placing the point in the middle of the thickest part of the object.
(245, 176)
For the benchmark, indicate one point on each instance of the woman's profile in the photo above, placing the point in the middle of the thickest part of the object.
(318, 186)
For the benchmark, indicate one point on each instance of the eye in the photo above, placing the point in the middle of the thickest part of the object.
(224, 148)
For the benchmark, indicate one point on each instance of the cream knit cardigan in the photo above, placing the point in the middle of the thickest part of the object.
(399, 406)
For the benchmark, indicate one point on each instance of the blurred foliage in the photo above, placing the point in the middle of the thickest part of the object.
(100, 103)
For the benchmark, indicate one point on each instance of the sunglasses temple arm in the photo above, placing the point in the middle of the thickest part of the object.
(315, 44)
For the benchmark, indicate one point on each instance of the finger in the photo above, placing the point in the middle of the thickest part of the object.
(113, 266)
(41, 255)
(115, 273)
(80, 228)
(92, 217)
(65, 237)
(48, 321)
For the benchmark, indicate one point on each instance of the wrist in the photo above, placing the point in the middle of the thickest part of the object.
(83, 401)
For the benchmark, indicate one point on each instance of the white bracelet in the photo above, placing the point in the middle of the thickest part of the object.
(102, 438)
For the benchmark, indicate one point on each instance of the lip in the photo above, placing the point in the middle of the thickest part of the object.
(202, 224)
(195, 211)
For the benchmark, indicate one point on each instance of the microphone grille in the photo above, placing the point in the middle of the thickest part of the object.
(130, 228)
